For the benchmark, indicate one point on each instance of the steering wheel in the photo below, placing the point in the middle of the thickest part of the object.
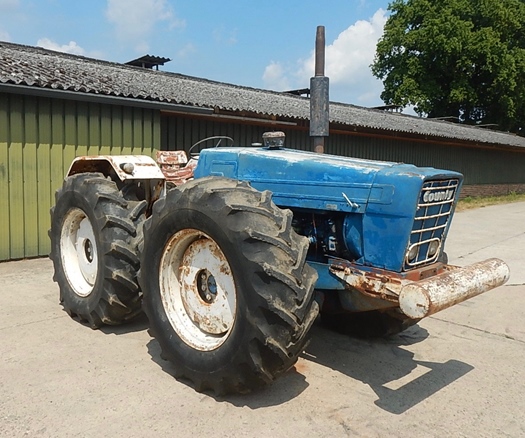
(215, 137)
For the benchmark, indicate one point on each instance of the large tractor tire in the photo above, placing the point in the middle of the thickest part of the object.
(226, 288)
(94, 242)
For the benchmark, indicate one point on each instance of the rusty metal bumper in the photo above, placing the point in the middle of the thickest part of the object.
(422, 292)
(423, 298)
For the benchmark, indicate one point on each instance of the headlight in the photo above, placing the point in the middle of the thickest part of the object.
(412, 253)
(433, 248)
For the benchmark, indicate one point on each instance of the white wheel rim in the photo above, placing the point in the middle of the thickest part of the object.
(197, 289)
(78, 250)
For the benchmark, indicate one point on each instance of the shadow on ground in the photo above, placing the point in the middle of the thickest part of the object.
(286, 388)
(382, 364)
(385, 366)
(140, 323)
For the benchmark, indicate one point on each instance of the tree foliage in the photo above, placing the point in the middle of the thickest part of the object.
(462, 58)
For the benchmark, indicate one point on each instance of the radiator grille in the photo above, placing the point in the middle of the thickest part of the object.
(431, 221)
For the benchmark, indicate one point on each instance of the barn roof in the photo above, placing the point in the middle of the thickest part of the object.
(37, 67)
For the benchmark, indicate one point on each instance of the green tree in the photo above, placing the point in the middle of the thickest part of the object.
(462, 58)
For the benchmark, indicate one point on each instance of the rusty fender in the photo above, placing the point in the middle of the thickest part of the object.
(425, 297)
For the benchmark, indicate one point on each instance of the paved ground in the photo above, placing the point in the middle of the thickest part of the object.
(459, 373)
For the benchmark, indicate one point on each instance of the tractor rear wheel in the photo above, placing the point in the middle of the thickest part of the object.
(226, 288)
(94, 242)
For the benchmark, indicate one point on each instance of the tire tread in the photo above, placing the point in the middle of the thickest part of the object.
(116, 220)
(283, 309)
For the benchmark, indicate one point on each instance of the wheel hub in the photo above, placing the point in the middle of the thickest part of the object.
(206, 286)
(88, 250)
(197, 289)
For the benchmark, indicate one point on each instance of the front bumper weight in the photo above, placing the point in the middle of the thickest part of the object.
(426, 297)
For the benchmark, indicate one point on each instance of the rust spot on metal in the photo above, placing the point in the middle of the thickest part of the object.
(387, 276)
(186, 232)
(175, 166)
(171, 157)
(380, 283)
(217, 252)
(454, 285)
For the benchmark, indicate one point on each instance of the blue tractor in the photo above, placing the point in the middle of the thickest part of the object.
(233, 259)
(233, 265)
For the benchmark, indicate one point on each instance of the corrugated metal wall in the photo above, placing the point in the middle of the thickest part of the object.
(39, 138)
(480, 166)
(180, 133)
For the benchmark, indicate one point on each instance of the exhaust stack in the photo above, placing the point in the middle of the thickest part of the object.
(319, 98)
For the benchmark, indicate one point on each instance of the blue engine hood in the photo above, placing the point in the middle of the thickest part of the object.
(307, 180)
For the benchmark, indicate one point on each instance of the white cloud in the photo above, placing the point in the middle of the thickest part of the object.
(134, 20)
(348, 61)
(72, 47)
(275, 77)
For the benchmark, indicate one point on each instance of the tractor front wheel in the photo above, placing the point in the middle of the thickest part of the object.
(226, 288)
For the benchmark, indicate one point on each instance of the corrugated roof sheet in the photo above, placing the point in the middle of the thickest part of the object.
(33, 66)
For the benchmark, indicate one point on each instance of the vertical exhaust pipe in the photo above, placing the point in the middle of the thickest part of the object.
(319, 98)
(320, 43)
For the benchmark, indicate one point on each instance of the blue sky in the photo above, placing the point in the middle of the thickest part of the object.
(264, 44)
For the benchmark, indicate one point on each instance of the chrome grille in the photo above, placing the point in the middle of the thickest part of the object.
(431, 221)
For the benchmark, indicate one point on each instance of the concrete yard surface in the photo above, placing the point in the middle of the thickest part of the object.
(458, 373)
